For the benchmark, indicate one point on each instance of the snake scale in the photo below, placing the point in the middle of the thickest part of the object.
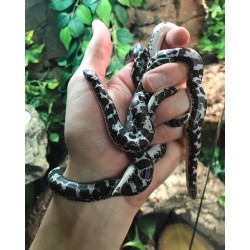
(136, 135)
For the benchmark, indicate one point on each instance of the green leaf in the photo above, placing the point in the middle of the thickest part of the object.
(84, 14)
(121, 14)
(103, 11)
(63, 62)
(63, 20)
(137, 3)
(50, 107)
(32, 55)
(26, 60)
(124, 36)
(122, 50)
(217, 168)
(222, 200)
(92, 4)
(76, 26)
(111, 68)
(36, 102)
(86, 39)
(124, 2)
(44, 116)
(147, 226)
(216, 9)
(60, 5)
(77, 61)
(212, 40)
(114, 66)
(65, 76)
(136, 242)
(72, 49)
(52, 83)
(65, 37)
(37, 49)
(54, 137)
(216, 152)
(31, 90)
(28, 37)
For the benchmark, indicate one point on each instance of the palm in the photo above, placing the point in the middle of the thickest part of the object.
(85, 129)
(91, 152)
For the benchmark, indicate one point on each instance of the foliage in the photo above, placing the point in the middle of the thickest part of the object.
(135, 242)
(33, 50)
(218, 161)
(42, 93)
(213, 39)
(222, 200)
(144, 227)
(74, 18)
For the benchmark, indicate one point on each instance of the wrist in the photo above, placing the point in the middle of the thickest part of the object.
(86, 225)
(82, 172)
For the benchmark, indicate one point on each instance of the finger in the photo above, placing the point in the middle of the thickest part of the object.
(164, 76)
(166, 134)
(176, 37)
(172, 107)
(98, 53)
(123, 79)
(121, 89)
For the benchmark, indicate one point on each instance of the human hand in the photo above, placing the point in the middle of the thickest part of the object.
(92, 154)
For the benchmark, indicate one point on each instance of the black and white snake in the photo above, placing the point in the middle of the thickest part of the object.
(136, 135)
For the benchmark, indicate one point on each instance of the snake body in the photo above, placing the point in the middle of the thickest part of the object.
(136, 135)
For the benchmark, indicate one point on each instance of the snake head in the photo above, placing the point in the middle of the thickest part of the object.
(133, 53)
(90, 75)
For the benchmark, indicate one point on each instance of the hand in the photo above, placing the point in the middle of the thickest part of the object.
(92, 154)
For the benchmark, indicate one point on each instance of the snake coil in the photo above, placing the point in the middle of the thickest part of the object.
(135, 136)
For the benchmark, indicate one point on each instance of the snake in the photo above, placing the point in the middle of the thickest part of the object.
(136, 134)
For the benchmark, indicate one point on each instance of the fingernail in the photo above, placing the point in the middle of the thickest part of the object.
(156, 81)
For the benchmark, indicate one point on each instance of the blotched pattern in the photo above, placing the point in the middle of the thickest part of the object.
(136, 135)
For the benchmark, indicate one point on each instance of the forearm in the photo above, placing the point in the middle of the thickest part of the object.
(90, 225)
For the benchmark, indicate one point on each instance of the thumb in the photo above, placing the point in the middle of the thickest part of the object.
(99, 51)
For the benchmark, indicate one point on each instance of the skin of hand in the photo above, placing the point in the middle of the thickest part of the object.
(93, 156)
